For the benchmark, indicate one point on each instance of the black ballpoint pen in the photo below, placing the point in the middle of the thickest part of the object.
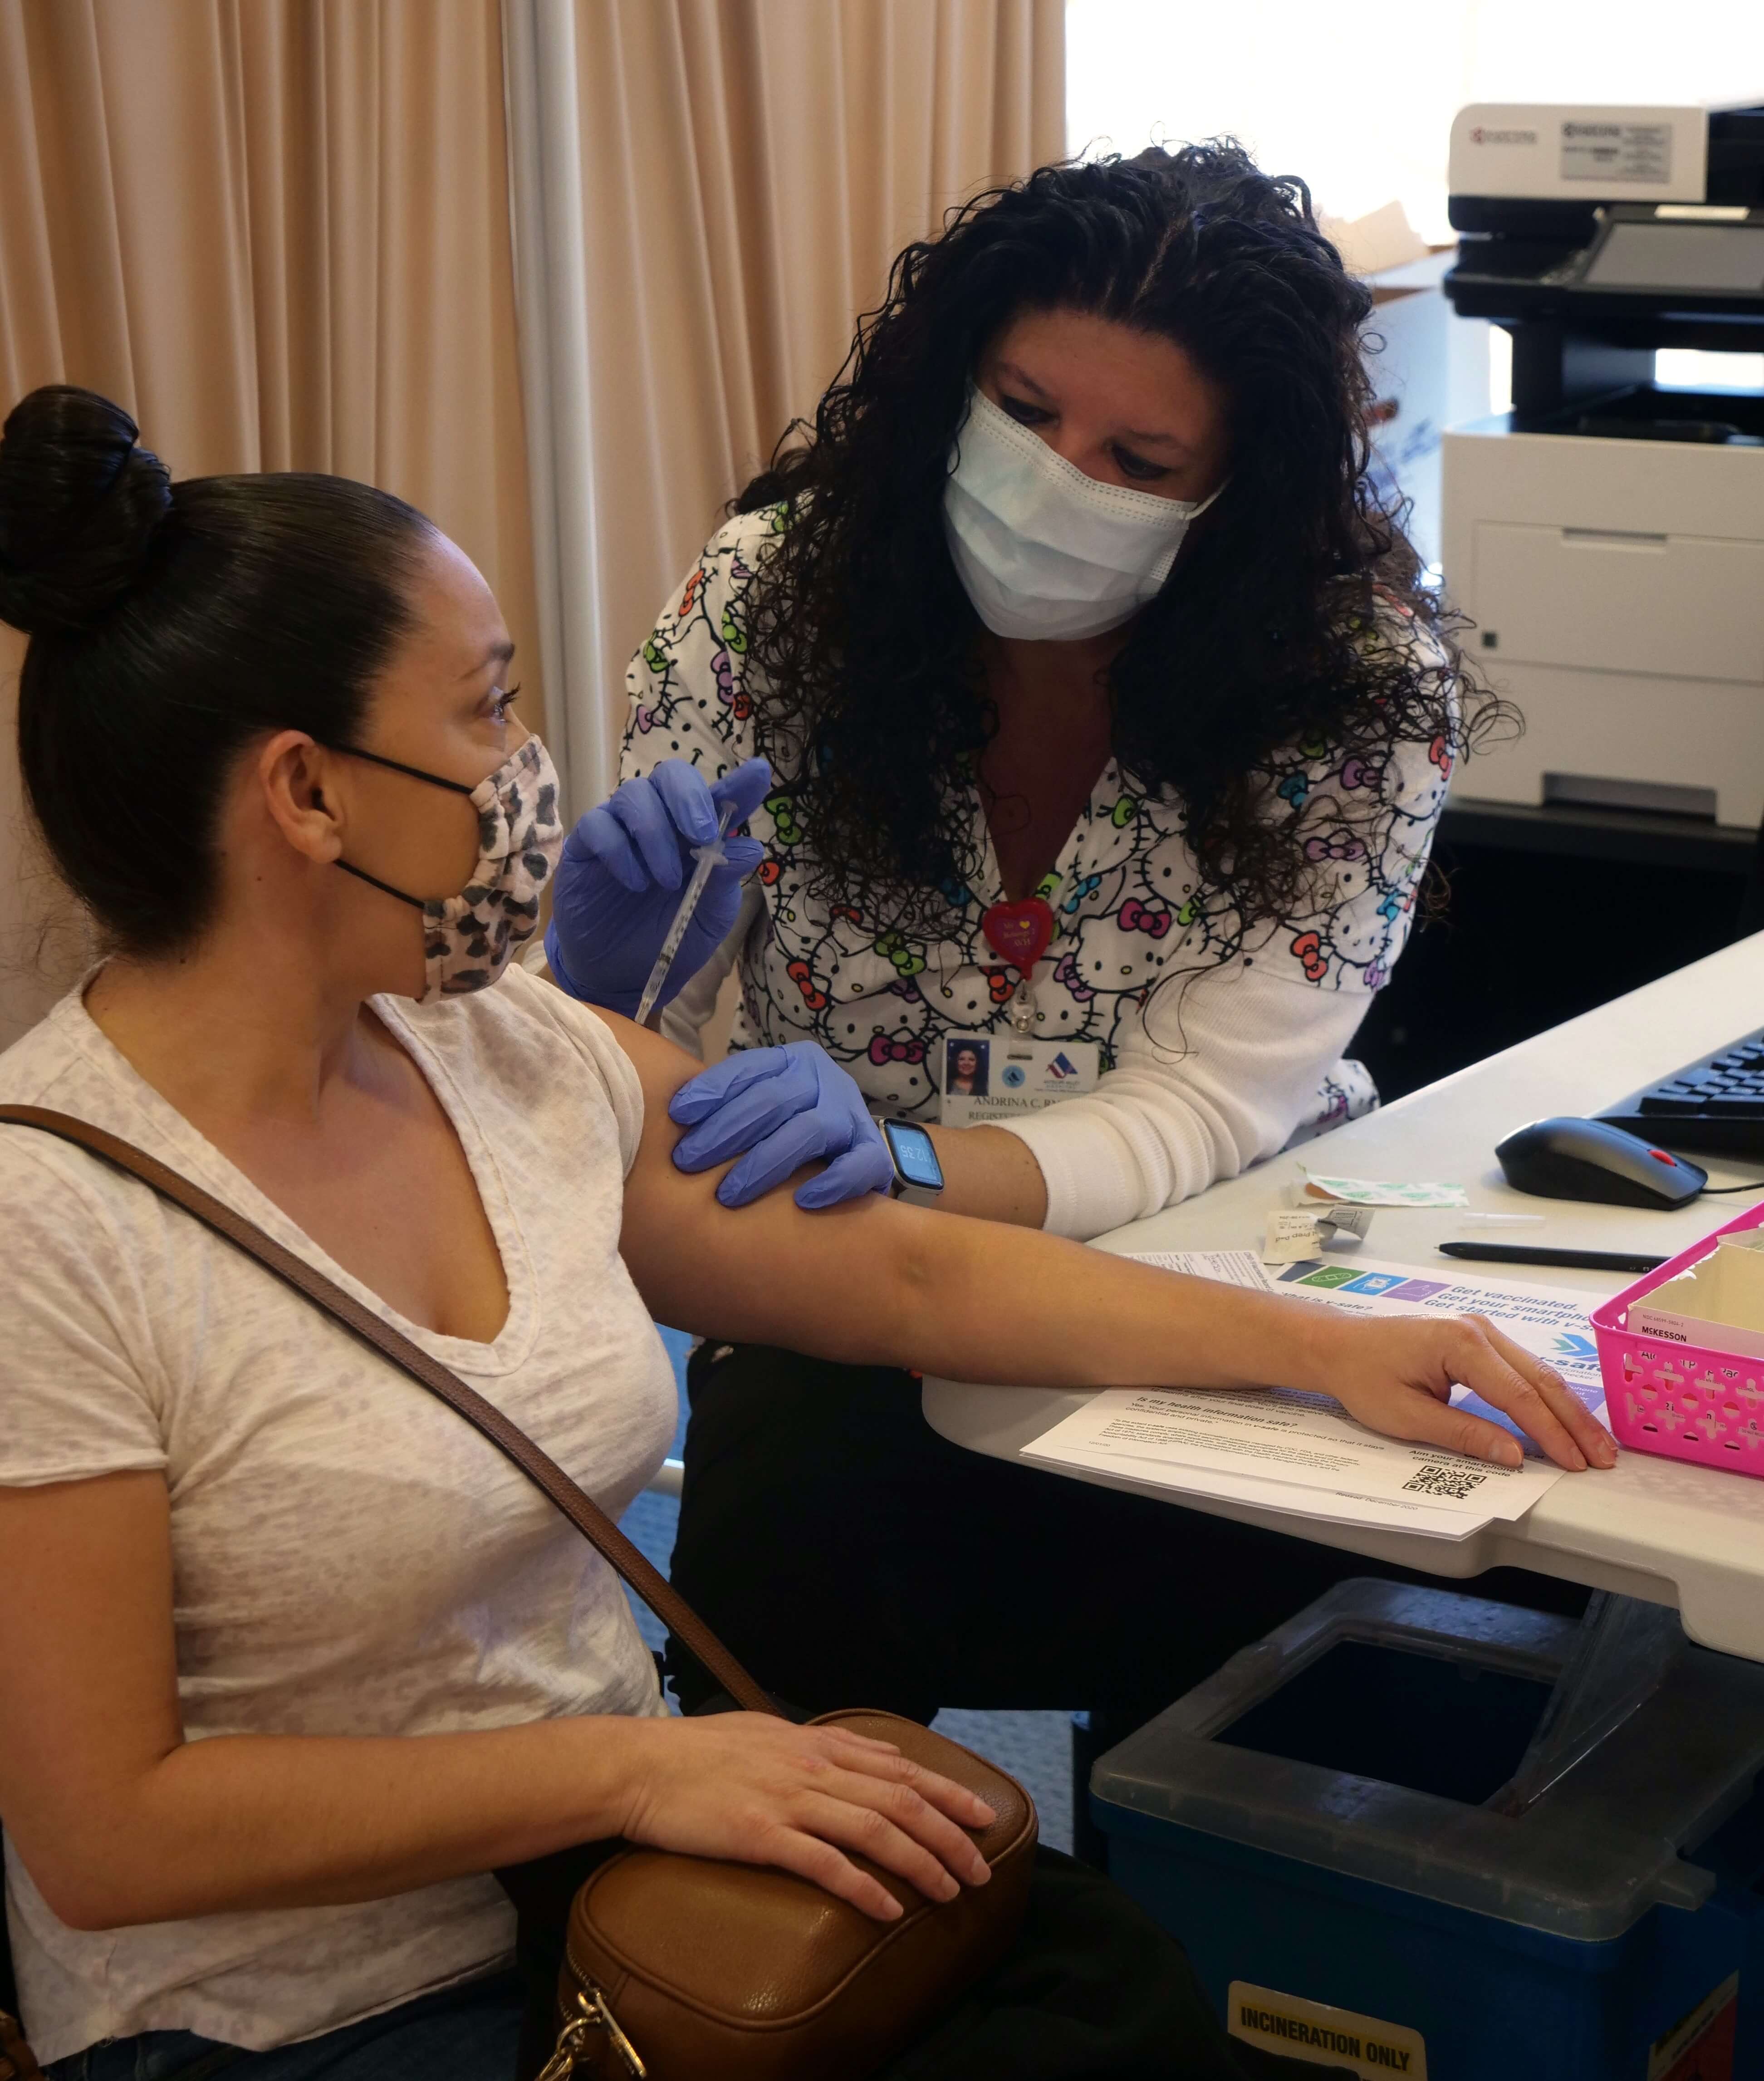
(1582, 1260)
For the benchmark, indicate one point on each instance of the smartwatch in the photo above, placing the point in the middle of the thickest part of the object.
(918, 1175)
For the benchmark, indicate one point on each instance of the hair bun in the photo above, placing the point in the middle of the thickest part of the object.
(79, 502)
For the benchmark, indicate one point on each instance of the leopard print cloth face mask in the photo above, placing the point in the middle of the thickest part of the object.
(470, 939)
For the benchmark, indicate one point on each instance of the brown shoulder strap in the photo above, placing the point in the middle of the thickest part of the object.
(582, 1511)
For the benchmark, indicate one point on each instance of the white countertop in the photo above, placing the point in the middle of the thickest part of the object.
(1652, 1527)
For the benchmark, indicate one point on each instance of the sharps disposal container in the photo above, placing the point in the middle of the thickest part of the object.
(1395, 1841)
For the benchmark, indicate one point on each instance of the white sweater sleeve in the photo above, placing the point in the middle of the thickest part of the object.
(1235, 1056)
(1224, 1090)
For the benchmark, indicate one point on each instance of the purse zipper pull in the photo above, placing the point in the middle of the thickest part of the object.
(594, 2014)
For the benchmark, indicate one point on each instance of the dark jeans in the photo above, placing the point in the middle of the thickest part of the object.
(849, 1556)
(1094, 1991)
(463, 2033)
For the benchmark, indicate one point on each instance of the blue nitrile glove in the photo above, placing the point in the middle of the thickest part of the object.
(784, 1107)
(623, 868)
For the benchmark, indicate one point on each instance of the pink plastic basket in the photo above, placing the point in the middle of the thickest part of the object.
(1685, 1402)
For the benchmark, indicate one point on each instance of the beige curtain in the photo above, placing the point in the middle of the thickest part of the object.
(277, 231)
(707, 192)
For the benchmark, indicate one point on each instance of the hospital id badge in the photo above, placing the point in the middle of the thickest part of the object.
(990, 1079)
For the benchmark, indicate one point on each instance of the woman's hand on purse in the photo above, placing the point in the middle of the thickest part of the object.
(621, 876)
(1397, 1375)
(778, 1108)
(765, 1792)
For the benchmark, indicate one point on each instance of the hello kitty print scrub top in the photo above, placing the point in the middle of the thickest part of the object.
(1198, 1080)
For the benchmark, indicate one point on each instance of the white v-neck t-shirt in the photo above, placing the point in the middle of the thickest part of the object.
(350, 1557)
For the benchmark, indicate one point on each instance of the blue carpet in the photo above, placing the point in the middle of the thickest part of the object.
(1035, 1747)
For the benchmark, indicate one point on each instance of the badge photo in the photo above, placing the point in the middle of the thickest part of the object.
(967, 1067)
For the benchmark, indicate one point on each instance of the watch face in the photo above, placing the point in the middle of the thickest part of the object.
(915, 1157)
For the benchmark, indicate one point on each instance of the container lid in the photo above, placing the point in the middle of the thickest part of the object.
(1587, 1861)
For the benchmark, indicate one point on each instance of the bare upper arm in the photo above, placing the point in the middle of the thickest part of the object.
(89, 1702)
(661, 1068)
(825, 1282)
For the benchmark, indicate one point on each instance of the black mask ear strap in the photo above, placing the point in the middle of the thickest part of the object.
(416, 773)
(373, 881)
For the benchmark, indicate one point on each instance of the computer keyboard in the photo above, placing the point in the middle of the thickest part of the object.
(1712, 1107)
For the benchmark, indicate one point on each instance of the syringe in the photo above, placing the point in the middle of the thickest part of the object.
(707, 857)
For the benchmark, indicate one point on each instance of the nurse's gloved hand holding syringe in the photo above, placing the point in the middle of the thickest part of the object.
(707, 859)
(624, 867)
(623, 885)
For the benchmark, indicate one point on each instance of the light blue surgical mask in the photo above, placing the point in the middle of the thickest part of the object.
(1045, 553)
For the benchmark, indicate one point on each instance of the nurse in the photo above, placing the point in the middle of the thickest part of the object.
(1088, 713)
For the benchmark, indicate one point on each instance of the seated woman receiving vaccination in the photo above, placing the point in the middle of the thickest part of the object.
(294, 1662)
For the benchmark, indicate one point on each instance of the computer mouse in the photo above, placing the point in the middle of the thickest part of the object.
(1585, 1159)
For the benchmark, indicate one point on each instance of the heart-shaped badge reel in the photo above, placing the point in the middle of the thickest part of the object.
(1020, 933)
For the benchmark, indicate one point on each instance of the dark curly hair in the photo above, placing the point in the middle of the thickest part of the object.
(1267, 634)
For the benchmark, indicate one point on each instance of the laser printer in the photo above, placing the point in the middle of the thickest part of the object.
(1606, 536)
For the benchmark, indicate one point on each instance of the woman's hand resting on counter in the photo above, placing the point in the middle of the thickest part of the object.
(1396, 1377)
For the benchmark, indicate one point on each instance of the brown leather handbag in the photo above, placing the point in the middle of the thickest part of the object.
(681, 1968)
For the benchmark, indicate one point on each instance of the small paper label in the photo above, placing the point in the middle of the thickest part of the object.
(1295, 1233)
(1700, 2046)
(1298, 2029)
(1668, 1326)
(1617, 152)
(1388, 1192)
(989, 1078)
(1292, 1237)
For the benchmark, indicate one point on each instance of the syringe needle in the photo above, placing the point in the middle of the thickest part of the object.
(707, 858)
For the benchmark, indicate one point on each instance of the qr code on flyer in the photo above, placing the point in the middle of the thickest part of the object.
(1456, 1482)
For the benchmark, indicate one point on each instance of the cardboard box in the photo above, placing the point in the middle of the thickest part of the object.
(1718, 1303)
